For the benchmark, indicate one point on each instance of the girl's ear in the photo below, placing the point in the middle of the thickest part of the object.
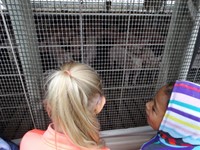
(48, 112)
(100, 105)
(47, 108)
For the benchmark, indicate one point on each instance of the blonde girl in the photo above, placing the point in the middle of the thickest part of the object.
(74, 97)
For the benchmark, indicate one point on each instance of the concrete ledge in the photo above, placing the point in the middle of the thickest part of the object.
(127, 139)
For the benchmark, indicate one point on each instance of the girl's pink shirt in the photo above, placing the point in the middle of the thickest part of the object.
(45, 140)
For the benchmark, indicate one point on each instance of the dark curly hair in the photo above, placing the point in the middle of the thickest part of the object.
(169, 88)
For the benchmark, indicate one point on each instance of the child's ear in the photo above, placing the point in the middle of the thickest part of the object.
(100, 105)
(47, 108)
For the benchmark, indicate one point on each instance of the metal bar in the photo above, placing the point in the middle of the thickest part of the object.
(22, 106)
(24, 29)
(8, 47)
(196, 75)
(81, 27)
(187, 58)
(114, 70)
(196, 49)
(101, 14)
(41, 46)
(13, 94)
(192, 9)
(177, 33)
(131, 87)
(129, 98)
(21, 80)
(125, 55)
(11, 75)
(108, 70)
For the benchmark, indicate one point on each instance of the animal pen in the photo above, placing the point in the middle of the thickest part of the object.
(135, 45)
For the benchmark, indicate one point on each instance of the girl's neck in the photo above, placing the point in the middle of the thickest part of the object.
(56, 128)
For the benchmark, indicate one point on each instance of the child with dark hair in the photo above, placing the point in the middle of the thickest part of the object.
(174, 113)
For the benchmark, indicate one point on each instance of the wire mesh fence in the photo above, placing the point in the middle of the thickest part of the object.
(136, 46)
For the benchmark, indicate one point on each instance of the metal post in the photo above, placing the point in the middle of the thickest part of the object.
(187, 58)
(25, 35)
(81, 27)
(179, 30)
